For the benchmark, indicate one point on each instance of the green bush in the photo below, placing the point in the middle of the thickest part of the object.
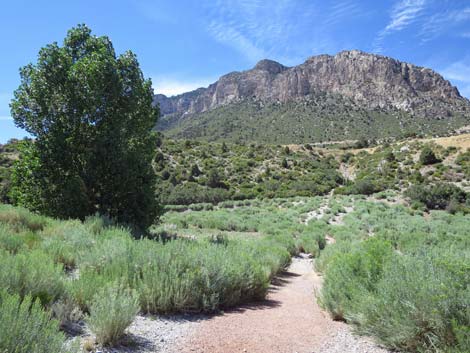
(113, 309)
(31, 273)
(436, 197)
(419, 304)
(20, 218)
(26, 328)
(209, 276)
(190, 193)
(365, 186)
(428, 157)
(353, 275)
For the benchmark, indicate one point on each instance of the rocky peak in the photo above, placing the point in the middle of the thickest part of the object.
(372, 81)
(270, 66)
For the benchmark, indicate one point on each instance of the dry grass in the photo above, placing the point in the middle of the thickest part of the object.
(459, 141)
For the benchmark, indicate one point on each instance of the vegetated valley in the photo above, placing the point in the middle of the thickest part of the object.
(373, 231)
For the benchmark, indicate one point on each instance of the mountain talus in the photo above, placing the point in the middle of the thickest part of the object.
(352, 90)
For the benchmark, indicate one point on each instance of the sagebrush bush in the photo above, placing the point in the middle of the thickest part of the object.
(207, 278)
(352, 275)
(11, 241)
(418, 305)
(26, 328)
(21, 218)
(113, 309)
(31, 273)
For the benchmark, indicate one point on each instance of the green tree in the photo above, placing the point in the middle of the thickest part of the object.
(285, 164)
(428, 156)
(91, 115)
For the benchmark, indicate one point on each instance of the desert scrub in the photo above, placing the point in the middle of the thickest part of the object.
(180, 275)
(209, 276)
(349, 276)
(113, 309)
(21, 218)
(408, 284)
(26, 328)
(31, 273)
(420, 304)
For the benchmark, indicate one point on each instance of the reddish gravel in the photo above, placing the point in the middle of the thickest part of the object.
(288, 321)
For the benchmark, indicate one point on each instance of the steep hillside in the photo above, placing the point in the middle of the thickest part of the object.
(349, 95)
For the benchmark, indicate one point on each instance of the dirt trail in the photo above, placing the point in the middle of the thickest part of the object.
(288, 321)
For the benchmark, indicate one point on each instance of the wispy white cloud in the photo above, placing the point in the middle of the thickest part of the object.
(444, 21)
(231, 36)
(277, 29)
(171, 86)
(465, 35)
(342, 10)
(403, 14)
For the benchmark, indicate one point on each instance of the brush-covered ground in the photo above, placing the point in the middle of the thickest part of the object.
(320, 117)
(200, 172)
(399, 275)
(391, 241)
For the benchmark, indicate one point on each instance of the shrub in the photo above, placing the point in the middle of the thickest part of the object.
(11, 241)
(83, 289)
(437, 196)
(427, 156)
(190, 193)
(31, 273)
(209, 276)
(66, 312)
(113, 309)
(352, 275)
(365, 186)
(419, 305)
(20, 218)
(26, 328)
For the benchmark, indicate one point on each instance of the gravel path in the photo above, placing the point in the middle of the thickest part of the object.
(288, 321)
(149, 334)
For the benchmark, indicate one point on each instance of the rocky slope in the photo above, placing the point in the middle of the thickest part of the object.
(364, 81)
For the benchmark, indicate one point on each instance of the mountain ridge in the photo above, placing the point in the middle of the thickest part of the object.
(369, 81)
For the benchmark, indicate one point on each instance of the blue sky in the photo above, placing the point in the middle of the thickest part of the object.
(186, 44)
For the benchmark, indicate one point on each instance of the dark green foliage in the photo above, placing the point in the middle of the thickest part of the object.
(428, 156)
(438, 196)
(189, 193)
(91, 115)
(365, 186)
(285, 164)
(362, 143)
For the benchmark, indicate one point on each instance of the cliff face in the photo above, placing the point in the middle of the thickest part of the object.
(370, 80)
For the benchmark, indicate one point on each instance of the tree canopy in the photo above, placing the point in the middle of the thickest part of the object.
(91, 115)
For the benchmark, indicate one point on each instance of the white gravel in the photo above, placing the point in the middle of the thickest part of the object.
(343, 341)
(152, 334)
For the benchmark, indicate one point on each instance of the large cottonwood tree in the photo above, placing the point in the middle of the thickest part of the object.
(91, 115)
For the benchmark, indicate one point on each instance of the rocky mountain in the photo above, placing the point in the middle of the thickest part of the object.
(349, 94)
